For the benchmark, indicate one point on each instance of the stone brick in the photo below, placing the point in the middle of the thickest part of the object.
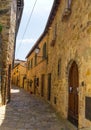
(8, 12)
(72, 43)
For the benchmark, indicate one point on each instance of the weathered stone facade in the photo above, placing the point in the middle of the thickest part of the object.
(9, 23)
(36, 67)
(68, 38)
(19, 74)
(72, 44)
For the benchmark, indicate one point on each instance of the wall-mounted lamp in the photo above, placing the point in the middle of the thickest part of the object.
(37, 50)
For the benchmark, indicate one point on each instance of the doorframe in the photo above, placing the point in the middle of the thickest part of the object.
(42, 84)
(67, 79)
(49, 87)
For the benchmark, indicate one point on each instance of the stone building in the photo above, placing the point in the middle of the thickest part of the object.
(19, 74)
(17, 61)
(37, 67)
(10, 16)
(68, 69)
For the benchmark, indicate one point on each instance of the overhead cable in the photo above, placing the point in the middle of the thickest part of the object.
(27, 25)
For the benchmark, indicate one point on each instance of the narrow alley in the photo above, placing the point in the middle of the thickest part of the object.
(27, 112)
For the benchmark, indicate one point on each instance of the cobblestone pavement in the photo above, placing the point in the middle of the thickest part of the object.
(28, 112)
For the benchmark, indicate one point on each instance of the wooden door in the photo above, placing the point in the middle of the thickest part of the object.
(9, 83)
(35, 85)
(73, 94)
(49, 87)
(42, 85)
(23, 83)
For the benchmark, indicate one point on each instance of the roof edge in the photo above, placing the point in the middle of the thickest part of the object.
(49, 22)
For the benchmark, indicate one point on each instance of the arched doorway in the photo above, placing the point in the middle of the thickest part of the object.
(73, 93)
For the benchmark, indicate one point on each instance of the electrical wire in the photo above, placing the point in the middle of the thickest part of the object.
(27, 26)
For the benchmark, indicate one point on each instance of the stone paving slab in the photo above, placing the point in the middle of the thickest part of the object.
(28, 112)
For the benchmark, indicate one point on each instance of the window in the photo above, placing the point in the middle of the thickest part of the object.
(59, 67)
(44, 51)
(28, 65)
(31, 62)
(28, 83)
(31, 81)
(35, 60)
(54, 35)
(36, 80)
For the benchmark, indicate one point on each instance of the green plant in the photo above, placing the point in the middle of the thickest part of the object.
(0, 28)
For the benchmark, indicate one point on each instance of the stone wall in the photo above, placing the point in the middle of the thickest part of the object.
(38, 69)
(8, 22)
(73, 38)
(9, 10)
(68, 40)
(5, 9)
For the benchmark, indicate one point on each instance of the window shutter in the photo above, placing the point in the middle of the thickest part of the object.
(44, 51)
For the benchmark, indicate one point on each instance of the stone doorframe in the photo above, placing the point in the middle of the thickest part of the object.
(69, 64)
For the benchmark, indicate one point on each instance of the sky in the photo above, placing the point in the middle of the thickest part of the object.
(28, 35)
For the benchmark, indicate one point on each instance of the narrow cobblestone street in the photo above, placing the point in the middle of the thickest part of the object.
(28, 112)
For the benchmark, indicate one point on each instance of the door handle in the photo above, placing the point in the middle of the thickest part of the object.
(77, 90)
(70, 89)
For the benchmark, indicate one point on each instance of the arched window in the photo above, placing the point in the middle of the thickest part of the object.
(44, 50)
(35, 60)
